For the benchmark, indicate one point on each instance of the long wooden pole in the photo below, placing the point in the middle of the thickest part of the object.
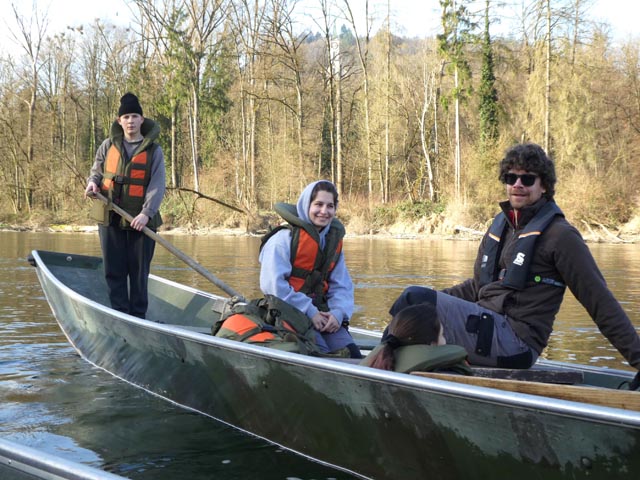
(182, 256)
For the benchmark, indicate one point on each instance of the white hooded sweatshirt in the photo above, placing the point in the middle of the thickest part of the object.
(275, 270)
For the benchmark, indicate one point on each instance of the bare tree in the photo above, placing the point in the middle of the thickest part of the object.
(333, 79)
(12, 153)
(429, 101)
(289, 43)
(249, 20)
(30, 35)
(363, 54)
(456, 25)
(386, 181)
(57, 87)
(547, 89)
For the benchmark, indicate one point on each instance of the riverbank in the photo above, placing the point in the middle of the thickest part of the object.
(629, 233)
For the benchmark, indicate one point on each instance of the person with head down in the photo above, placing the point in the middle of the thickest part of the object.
(129, 170)
(414, 341)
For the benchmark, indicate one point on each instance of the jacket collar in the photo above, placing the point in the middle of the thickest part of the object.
(150, 130)
(519, 218)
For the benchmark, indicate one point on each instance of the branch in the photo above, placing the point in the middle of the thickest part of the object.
(202, 195)
(596, 236)
(610, 234)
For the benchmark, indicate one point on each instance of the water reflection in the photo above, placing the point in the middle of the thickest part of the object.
(55, 401)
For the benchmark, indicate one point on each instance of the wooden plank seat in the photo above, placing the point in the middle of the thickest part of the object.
(535, 374)
(595, 395)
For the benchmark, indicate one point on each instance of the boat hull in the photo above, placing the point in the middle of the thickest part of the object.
(375, 424)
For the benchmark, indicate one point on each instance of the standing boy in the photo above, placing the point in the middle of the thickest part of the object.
(129, 170)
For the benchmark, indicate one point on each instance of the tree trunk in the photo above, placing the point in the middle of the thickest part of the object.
(547, 94)
(457, 159)
(174, 142)
(193, 122)
(339, 164)
(386, 183)
(428, 99)
(363, 55)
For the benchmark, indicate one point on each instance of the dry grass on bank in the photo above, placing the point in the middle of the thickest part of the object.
(183, 214)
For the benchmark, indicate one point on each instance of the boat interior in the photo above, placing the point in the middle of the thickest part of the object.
(178, 305)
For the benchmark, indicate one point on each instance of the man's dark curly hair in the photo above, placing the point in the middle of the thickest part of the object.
(532, 158)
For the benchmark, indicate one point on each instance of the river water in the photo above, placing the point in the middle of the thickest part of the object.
(54, 401)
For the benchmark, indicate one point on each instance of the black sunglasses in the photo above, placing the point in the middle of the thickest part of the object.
(527, 179)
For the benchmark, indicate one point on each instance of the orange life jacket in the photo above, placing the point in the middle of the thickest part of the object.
(127, 184)
(246, 329)
(310, 264)
(270, 322)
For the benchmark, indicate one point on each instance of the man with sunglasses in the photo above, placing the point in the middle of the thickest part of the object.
(504, 315)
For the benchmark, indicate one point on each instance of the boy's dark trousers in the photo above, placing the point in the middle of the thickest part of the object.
(127, 255)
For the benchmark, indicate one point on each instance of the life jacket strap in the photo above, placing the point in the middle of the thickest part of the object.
(548, 281)
(536, 279)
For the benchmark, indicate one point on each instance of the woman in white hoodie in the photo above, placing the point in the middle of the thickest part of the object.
(303, 264)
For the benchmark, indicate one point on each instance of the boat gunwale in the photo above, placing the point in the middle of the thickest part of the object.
(31, 461)
(603, 414)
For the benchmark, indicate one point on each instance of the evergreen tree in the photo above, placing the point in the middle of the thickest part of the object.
(487, 91)
(457, 27)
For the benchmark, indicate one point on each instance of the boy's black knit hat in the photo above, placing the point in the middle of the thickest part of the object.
(129, 104)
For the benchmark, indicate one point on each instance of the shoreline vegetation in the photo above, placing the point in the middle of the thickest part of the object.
(410, 129)
(437, 226)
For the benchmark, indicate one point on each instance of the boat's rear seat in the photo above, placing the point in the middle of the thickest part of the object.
(537, 373)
